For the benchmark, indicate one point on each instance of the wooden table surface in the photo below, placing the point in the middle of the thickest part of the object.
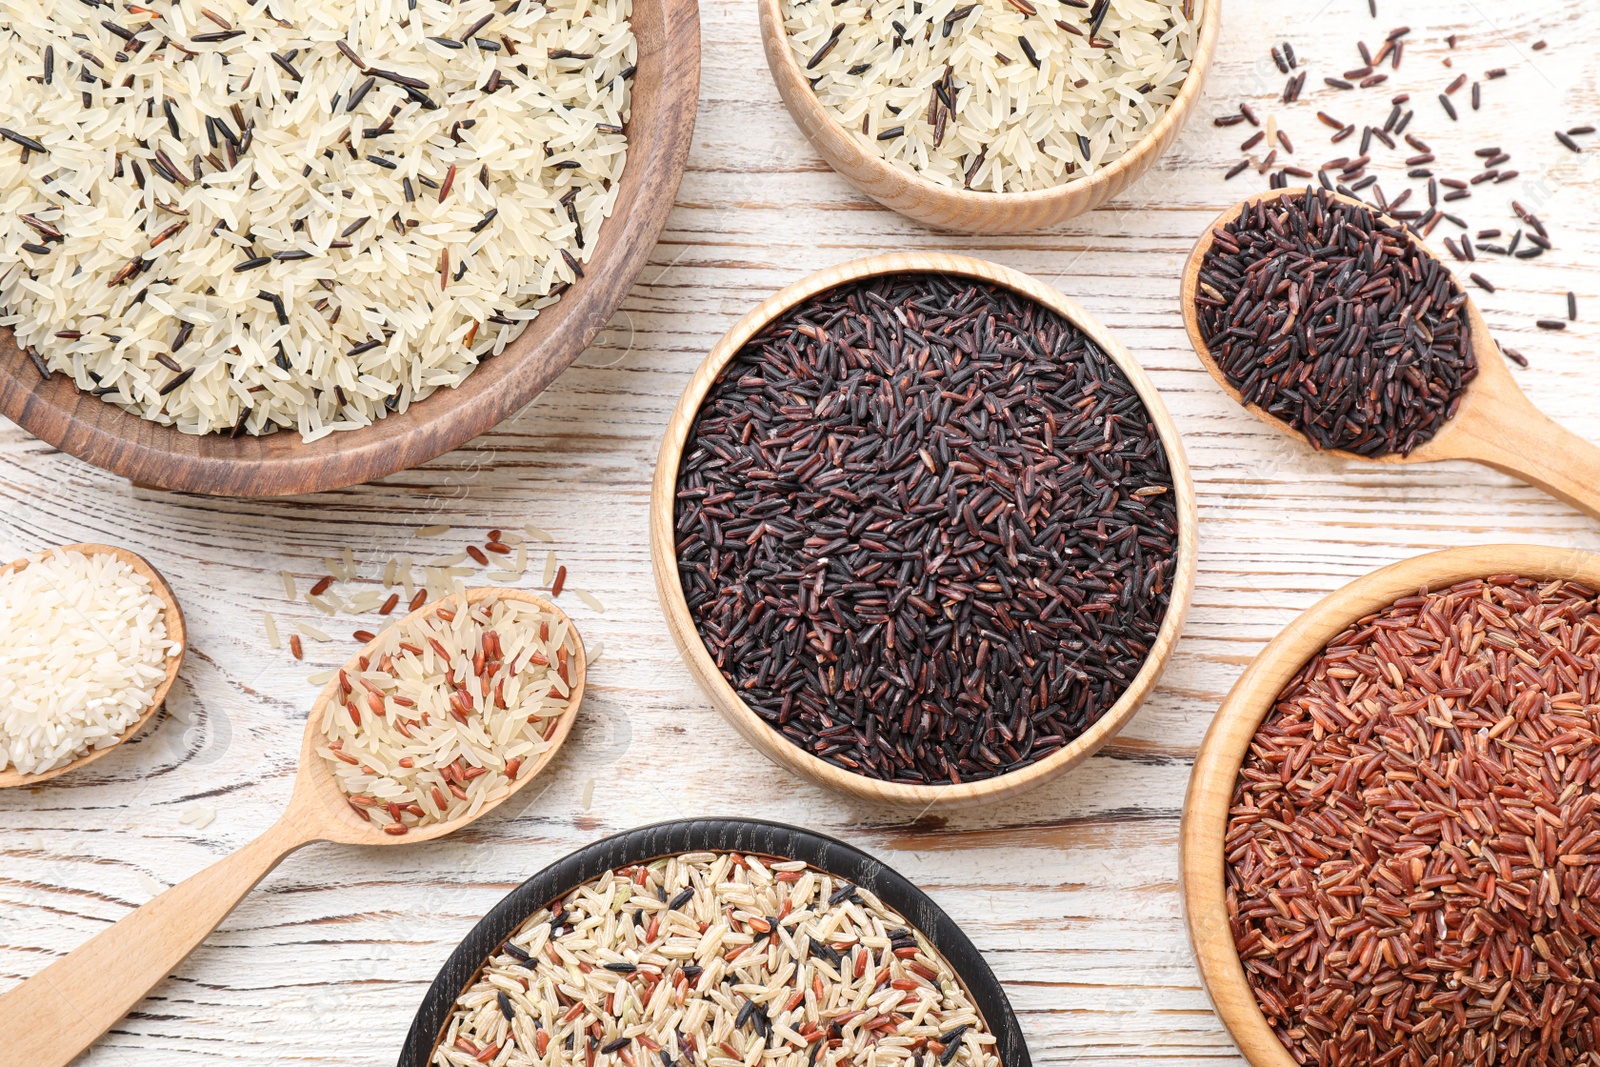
(1071, 891)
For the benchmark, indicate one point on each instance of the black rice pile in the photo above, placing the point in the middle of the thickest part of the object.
(926, 529)
(1413, 847)
(1328, 317)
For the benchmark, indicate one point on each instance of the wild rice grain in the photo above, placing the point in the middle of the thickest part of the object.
(448, 708)
(1082, 87)
(264, 220)
(721, 959)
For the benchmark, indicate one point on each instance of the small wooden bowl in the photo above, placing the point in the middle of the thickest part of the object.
(665, 90)
(960, 209)
(1227, 742)
(649, 843)
(663, 543)
(172, 615)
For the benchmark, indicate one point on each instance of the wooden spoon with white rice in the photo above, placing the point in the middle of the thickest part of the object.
(91, 639)
(459, 712)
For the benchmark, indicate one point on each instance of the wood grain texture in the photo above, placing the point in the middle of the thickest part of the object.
(1496, 424)
(171, 617)
(669, 587)
(1070, 891)
(660, 126)
(54, 1015)
(961, 209)
(1227, 743)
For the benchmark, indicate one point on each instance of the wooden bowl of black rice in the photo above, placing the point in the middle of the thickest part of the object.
(923, 530)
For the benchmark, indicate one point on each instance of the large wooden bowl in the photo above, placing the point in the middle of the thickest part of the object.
(1205, 812)
(962, 209)
(665, 91)
(663, 544)
(649, 843)
(171, 615)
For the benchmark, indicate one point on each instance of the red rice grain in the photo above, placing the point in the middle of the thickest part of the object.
(1413, 848)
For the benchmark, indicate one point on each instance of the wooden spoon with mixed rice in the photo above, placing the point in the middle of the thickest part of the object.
(437, 721)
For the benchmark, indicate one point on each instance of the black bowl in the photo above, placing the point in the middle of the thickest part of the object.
(714, 835)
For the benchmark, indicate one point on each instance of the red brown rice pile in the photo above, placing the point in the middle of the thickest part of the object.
(447, 709)
(716, 959)
(306, 214)
(1413, 852)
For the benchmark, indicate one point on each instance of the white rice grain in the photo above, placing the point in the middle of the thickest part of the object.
(312, 632)
(83, 646)
(721, 959)
(270, 257)
(1087, 95)
(270, 624)
(411, 745)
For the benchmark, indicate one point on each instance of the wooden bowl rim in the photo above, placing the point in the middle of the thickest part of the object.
(153, 455)
(711, 680)
(809, 114)
(171, 614)
(648, 843)
(1494, 375)
(1247, 704)
(316, 788)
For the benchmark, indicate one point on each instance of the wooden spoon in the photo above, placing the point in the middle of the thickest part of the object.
(52, 1017)
(1227, 743)
(171, 614)
(1496, 425)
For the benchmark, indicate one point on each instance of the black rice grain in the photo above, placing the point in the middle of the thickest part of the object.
(926, 529)
(1332, 320)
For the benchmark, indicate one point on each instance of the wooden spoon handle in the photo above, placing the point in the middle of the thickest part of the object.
(1517, 438)
(52, 1017)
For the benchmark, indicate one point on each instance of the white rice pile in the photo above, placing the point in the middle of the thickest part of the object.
(83, 646)
(995, 95)
(215, 239)
(447, 710)
(717, 960)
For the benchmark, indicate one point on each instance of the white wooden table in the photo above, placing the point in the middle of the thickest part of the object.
(1072, 891)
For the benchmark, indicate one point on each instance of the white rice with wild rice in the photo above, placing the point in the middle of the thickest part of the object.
(227, 222)
(995, 95)
(83, 647)
(443, 714)
(716, 959)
